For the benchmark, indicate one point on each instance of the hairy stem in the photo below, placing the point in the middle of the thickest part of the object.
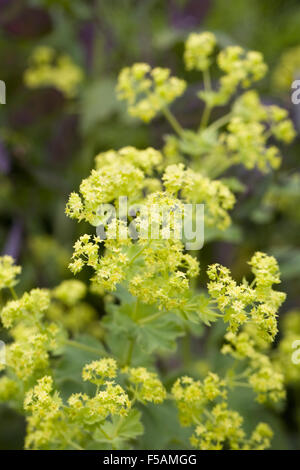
(84, 347)
(13, 293)
(130, 351)
(173, 121)
(207, 108)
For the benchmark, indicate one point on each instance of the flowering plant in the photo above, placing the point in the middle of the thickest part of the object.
(85, 383)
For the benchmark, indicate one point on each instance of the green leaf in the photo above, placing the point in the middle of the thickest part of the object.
(197, 144)
(68, 370)
(205, 311)
(162, 428)
(160, 334)
(152, 330)
(197, 310)
(232, 234)
(234, 184)
(98, 103)
(120, 430)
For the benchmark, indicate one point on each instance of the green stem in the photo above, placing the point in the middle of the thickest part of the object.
(236, 383)
(209, 415)
(173, 121)
(139, 252)
(218, 168)
(84, 347)
(130, 351)
(75, 445)
(207, 80)
(135, 311)
(13, 293)
(105, 434)
(207, 108)
(205, 117)
(186, 350)
(149, 319)
(220, 122)
(118, 427)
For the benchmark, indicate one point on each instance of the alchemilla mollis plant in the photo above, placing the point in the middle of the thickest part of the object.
(85, 383)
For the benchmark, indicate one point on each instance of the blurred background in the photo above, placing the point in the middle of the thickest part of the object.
(50, 135)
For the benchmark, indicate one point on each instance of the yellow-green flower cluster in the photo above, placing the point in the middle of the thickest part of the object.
(150, 271)
(245, 67)
(199, 189)
(85, 252)
(222, 426)
(281, 126)
(109, 269)
(198, 48)
(159, 217)
(27, 356)
(83, 419)
(203, 406)
(241, 69)
(249, 125)
(156, 267)
(111, 400)
(146, 385)
(146, 160)
(262, 376)
(68, 309)
(48, 69)
(148, 91)
(70, 292)
(192, 397)
(260, 438)
(162, 271)
(98, 371)
(246, 142)
(8, 389)
(8, 272)
(248, 132)
(163, 277)
(266, 271)
(287, 354)
(249, 108)
(46, 422)
(52, 424)
(30, 307)
(118, 174)
(223, 429)
(78, 318)
(151, 274)
(244, 303)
